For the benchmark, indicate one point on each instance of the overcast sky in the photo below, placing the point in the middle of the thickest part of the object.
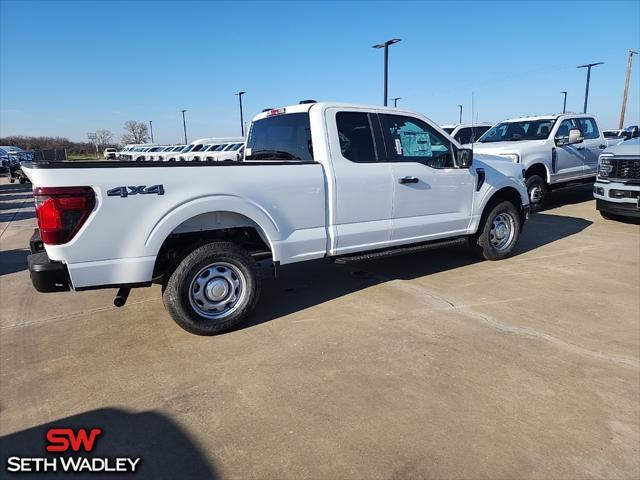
(68, 68)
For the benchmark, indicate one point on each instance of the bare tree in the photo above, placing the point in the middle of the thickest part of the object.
(135, 132)
(104, 137)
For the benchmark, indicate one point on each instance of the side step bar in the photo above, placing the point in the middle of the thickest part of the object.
(400, 250)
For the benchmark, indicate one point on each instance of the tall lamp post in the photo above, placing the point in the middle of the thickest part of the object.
(151, 129)
(239, 94)
(586, 90)
(395, 101)
(385, 45)
(626, 88)
(184, 126)
(460, 107)
(564, 104)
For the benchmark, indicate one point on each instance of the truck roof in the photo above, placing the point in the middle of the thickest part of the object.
(218, 140)
(553, 116)
(305, 107)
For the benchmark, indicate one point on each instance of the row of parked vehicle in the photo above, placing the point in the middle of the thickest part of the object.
(317, 181)
(203, 149)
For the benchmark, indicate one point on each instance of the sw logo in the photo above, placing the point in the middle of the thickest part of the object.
(61, 439)
(67, 440)
(133, 190)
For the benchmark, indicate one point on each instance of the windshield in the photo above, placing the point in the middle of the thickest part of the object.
(515, 131)
(611, 133)
(280, 137)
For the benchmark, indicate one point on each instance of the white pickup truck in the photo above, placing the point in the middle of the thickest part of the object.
(321, 180)
(555, 150)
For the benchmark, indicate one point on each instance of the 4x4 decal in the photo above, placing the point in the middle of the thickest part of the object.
(132, 190)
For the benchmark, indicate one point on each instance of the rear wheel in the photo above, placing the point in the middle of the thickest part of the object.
(498, 233)
(537, 191)
(213, 289)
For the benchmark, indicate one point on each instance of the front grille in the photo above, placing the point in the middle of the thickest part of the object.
(625, 169)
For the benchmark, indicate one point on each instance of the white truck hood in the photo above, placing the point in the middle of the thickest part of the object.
(522, 147)
(501, 164)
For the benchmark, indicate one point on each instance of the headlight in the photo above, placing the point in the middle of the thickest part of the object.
(514, 157)
(605, 166)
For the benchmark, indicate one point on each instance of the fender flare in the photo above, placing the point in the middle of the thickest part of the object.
(210, 204)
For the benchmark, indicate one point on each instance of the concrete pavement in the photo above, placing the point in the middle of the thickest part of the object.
(426, 366)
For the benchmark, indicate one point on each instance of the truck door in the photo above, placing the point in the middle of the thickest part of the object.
(593, 145)
(433, 198)
(361, 203)
(569, 159)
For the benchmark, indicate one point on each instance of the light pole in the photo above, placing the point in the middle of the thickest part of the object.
(460, 107)
(564, 104)
(626, 88)
(151, 129)
(586, 90)
(395, 101)
(239, 94)
(184, 126)
(385, 45)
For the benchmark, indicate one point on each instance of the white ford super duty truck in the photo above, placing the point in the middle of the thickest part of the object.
(319, 180)
(555, 150)
(617, 188)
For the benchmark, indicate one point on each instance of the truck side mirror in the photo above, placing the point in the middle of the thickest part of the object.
(465, 157)
(575, 136)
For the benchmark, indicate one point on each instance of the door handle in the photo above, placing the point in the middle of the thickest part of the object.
(603, 146)
(579, 148)
(409, 180)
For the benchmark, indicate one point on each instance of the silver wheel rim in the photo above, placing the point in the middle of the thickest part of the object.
(502, 231)
(217, 290)
(535, 194)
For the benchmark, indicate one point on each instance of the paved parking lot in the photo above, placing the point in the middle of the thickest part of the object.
(425, 366)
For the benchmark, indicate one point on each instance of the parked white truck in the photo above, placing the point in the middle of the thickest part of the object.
(321, 180)
(556, 150)
(617, 187)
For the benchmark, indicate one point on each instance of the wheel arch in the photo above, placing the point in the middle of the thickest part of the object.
(538, 168)
(213, 213)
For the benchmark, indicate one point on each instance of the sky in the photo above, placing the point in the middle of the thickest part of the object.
(69, 68)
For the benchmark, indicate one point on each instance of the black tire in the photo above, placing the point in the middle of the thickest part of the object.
(537, 191)
(22, 180)
(226, 263)
(486, 243)
(12, 180)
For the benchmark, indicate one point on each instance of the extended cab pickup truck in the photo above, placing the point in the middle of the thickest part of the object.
(320, 180)
(555, 150)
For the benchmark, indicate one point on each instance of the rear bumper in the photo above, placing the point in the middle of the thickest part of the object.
(46, 275)
(615, 208)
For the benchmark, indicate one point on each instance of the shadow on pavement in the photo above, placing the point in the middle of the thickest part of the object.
(16, 216)
(165, 449)
(12, 261)
(304, 285)
(14, 188)
(569, 196)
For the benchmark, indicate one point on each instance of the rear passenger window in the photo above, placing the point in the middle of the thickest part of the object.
(356, 136)
(281, 137)
(589, 128)
(412, 140)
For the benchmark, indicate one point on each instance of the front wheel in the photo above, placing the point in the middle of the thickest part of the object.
(537, 191)
(213, 289)
(498, 232)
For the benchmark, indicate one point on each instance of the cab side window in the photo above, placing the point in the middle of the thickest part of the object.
(589, 128)
(356, 138)
(409, 139)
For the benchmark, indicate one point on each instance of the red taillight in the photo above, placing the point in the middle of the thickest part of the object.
(62, 211)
